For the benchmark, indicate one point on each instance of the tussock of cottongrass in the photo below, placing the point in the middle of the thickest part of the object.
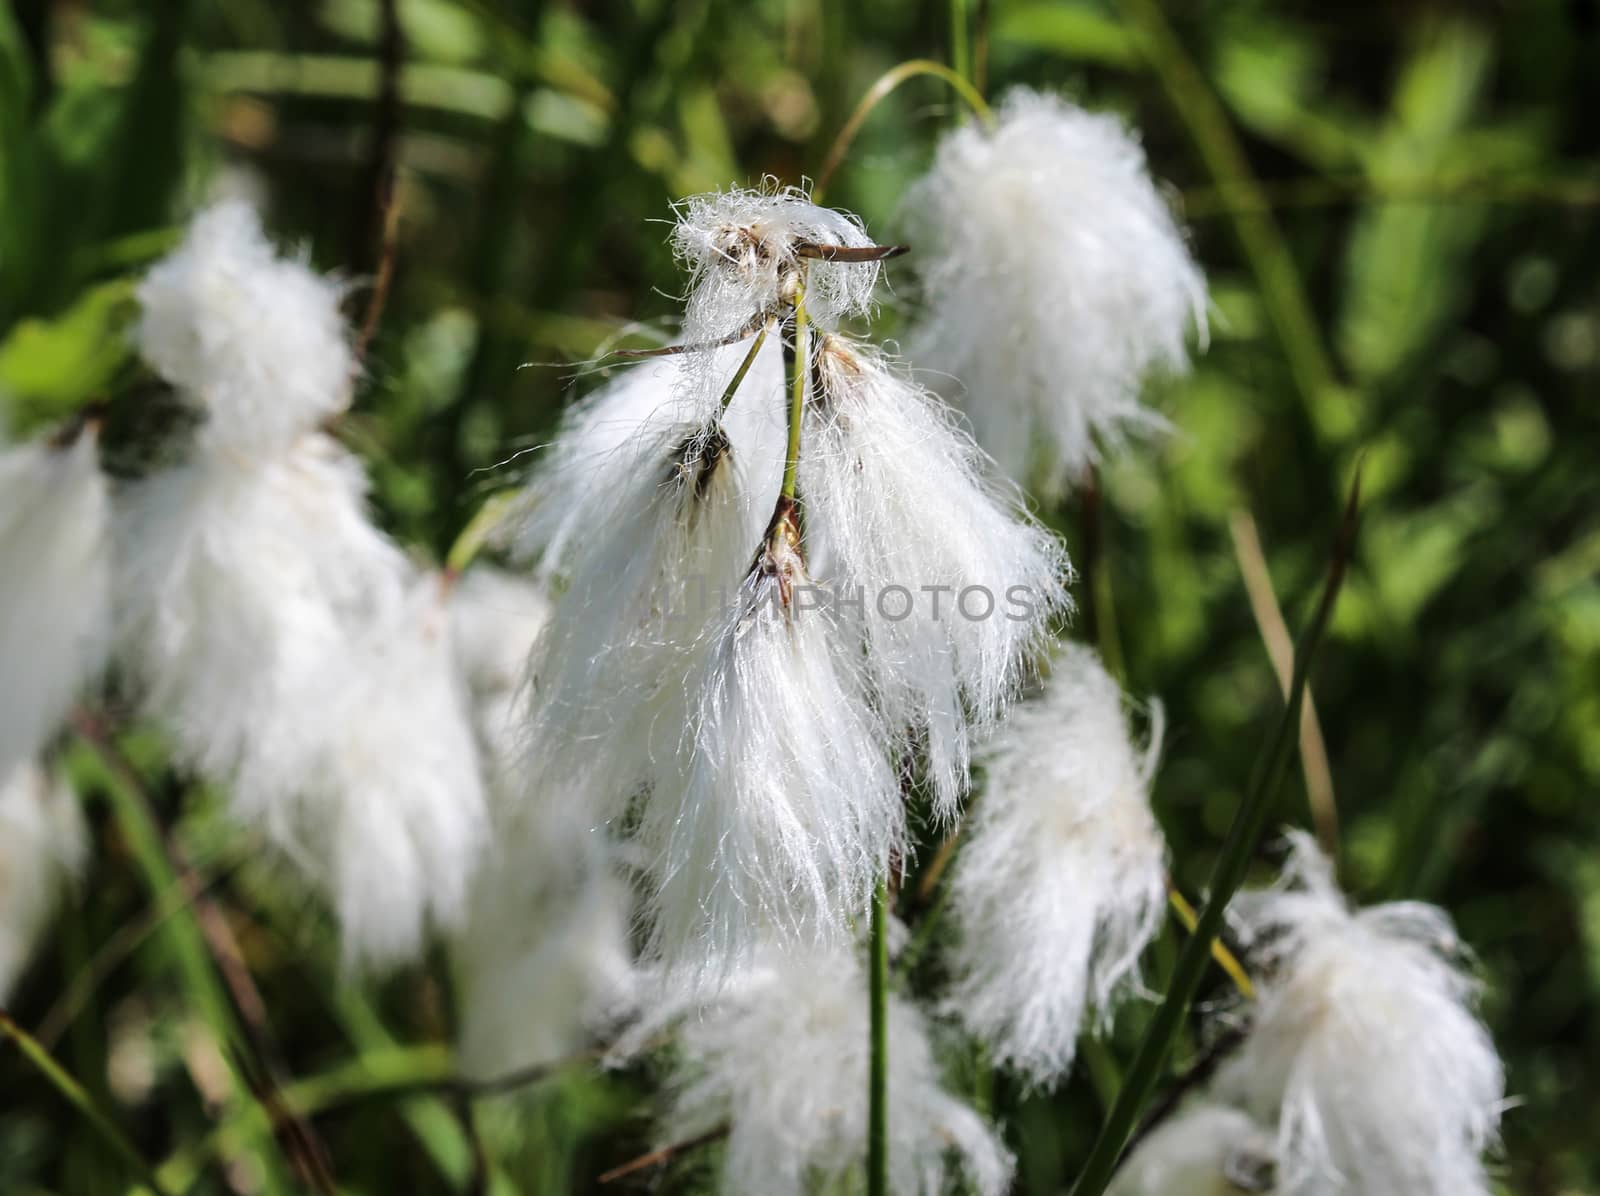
(1363, 1050)
(1060, 880)
(1056, 280)
(781, 1057)
(955, 587)
(257, 340)
(44, 843)
(55, 616)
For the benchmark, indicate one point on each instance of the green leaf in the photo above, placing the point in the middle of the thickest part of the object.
(1077, 31)
(51, 367)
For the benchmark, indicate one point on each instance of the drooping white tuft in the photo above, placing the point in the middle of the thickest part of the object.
(394, 780)
(1364, 1051)
(741, 250)
(951, 585)
(54, 594)
(496, 617)
(1056, 280)
(238, 583)
(43, 846)
(543, 961)
(785, 809)
(258, 340)
(782, 1059)
(663, 528)
(1205, 1149)
(1060, 881)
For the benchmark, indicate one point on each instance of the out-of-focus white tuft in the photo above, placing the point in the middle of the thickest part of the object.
(951, 585)
(782, 1057)
(238, 584)
(1205, 1149)
(785, 810)
(256, 338)
(741, 250)
(1056, 280)
(393, 813)
(1364, 1051)
(496, 617)
(54, 594)
(1060, 881)
(43, 846)
(543, 962)
(663, 526)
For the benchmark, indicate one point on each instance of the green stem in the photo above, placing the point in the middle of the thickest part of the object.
(960, 40)
(878, 92)
(76, 1095)
(800, 368)
(1226, 877)
(737, 380)
(878, 1070)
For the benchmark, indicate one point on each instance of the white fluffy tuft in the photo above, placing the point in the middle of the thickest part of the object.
(237, 583)
(1060, 882)
(1364, 1051)
(54, 594)
(739, 247)
(43, 846)
(1205, 1149)
(782, 1058)
(785, 809)
(1056, 280)
(257, 339)
(955, 586)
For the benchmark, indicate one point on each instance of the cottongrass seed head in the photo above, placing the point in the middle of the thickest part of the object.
(257, 340)
(782, 1057)
(785, 809)
(1363, 1051)
(1205, 1149)
(55, 614)
(952, 587)
(742, 248)
(1055, 280)
(1060, 881)
(44, 843)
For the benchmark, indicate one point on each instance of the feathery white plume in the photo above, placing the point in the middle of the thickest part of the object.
(1060, 881)
(1205, 1149)
(953, 587)
(786, 809)
(54, 596)
(43, 845)
(782, 1059)
(741, 248)
(1056, 279)
(543, 961)
(392, 803)
(1364, 1050)
(664, 525)
(496, 617)
(257, 339)
(237, 582)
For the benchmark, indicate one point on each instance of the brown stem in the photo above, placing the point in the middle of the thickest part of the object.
(656, 1157)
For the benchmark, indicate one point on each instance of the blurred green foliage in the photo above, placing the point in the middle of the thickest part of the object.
(1397, 207)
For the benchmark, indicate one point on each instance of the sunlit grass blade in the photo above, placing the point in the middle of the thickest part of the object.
(1243, 836)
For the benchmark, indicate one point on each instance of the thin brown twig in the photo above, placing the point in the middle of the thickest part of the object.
(661, 1155)
(1280, 648)
(389, 199)
(384, 154)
